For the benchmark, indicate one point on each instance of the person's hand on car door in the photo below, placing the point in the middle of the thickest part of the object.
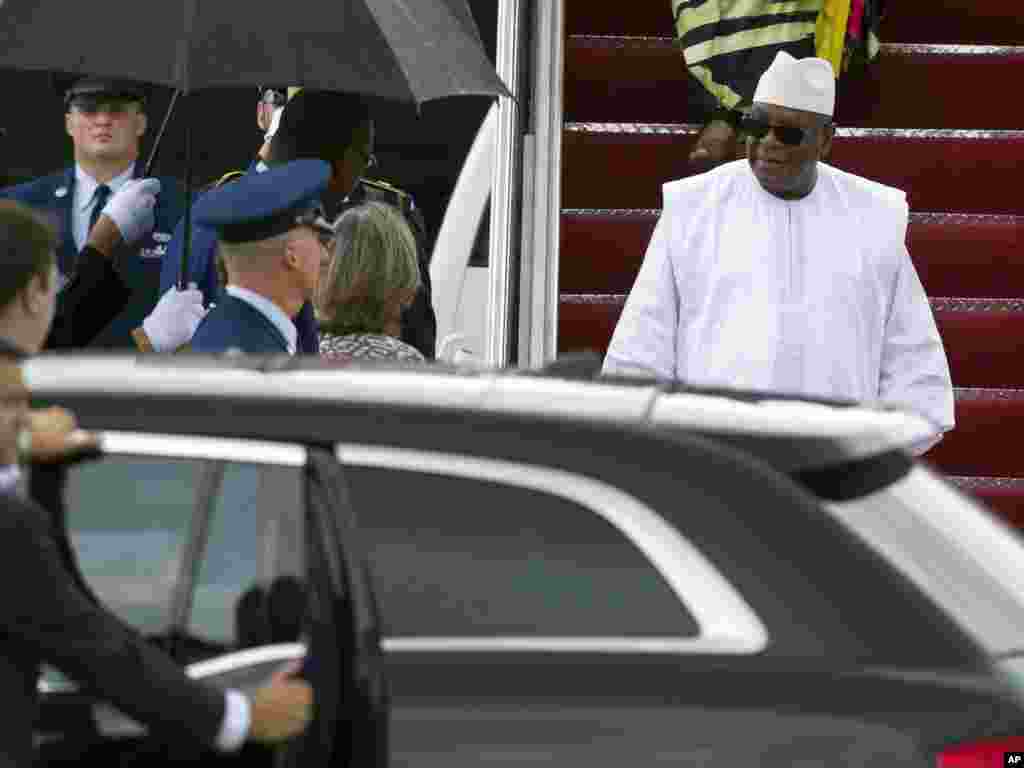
(282, 708)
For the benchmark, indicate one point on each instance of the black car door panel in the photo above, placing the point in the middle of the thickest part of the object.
(350, 724)
(205, 547)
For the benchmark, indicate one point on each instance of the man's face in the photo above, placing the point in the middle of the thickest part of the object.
(784, 170)
(49, 303)
(356, 161)
(37, 303)
(310, 258)
(106, 129)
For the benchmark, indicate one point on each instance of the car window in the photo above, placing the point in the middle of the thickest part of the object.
(460, 557)
(128, 519)
(250, 582)
(133, 519)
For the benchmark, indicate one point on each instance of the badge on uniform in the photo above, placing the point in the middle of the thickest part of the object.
(60, 192)
(157, 251)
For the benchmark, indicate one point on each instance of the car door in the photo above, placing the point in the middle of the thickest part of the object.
(214, 550)
(345, 642)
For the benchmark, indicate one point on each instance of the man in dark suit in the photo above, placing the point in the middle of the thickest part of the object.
(106, 121)
(55, 620)
(272, 238)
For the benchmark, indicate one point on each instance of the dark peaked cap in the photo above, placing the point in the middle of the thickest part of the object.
(97, 88)
(261, 205)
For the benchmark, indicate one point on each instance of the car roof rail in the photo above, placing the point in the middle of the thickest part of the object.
(578, 366)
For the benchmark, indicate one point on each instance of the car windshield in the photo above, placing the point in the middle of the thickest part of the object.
(953, 548)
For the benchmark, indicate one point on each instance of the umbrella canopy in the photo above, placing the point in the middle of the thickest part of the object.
(406, 50)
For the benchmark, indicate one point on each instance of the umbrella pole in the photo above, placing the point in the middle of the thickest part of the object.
(160, 134)
(186, 247)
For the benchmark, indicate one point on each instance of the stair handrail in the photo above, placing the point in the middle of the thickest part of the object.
(542, 191)
(454, 244)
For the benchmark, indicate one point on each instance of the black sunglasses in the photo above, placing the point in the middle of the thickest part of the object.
(789, 135)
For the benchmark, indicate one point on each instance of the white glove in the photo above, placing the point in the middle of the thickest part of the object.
(175, 318)
(131, 208)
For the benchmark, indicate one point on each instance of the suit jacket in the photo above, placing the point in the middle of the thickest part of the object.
(52, 618)
(202, 270)
(236, 324)
(89, 303)
(96, 295)
(139, 267)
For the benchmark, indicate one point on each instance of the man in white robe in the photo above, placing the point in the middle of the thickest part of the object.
(782, 273)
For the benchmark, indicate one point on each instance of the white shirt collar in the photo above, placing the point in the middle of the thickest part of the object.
(85, 185)
(271, 311)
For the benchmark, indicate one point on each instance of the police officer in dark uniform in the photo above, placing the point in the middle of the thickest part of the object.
(106, 121)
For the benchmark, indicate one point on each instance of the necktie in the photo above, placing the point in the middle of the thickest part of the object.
(101, 196)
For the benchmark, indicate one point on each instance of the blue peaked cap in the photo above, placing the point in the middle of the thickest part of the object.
(262, 205)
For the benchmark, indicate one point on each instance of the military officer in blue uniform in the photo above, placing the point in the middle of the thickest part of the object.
(274, 239)
(106, 121)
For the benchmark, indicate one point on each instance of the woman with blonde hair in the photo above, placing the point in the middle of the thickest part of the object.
(371, 278)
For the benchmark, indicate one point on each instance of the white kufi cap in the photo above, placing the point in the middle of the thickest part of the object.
(806, 84)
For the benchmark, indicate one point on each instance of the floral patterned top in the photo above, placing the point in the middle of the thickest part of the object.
(367, 346)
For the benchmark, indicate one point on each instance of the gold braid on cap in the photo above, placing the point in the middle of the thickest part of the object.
(229, 176)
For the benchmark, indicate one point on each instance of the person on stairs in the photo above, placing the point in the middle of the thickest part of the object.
(727, 45)
(781, 273)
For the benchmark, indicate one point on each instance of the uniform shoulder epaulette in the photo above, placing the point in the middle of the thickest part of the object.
(225, 179)
(228, 177)
(383, 186)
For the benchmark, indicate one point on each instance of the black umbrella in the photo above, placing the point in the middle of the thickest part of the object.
(410, 50)
(405, 50)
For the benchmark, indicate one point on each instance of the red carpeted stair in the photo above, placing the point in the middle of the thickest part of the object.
(937, 117)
